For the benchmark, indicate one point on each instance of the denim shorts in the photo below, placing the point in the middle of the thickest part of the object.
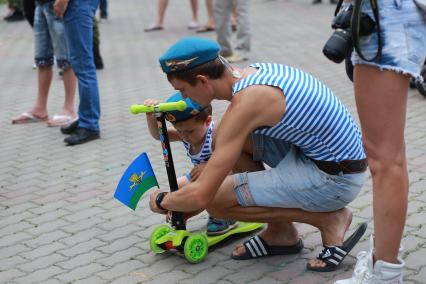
(293, 181)
(49, 37)
(403, 32)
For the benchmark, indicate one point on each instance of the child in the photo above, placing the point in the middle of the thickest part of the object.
(194, 127)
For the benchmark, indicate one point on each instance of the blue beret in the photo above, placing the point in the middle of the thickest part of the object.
(192, 109)
(188, 53)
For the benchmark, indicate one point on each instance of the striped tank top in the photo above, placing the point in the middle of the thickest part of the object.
(314, 120)
(206, 150)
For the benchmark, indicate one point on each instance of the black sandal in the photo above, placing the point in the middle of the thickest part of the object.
(334, 255)
(256, 247)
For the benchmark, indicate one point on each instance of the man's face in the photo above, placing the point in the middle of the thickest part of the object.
(198, 93)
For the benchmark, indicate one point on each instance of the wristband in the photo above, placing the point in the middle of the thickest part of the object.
(158, 200)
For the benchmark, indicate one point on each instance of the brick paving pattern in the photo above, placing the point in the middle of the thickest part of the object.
(59, 222)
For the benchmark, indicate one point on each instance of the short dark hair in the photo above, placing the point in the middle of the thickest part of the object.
(201, 116)
(214, 69)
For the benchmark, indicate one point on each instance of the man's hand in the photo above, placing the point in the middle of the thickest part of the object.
(196, 171)
(153, 205)
(59, 7)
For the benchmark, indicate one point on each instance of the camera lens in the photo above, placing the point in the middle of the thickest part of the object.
(338, 45)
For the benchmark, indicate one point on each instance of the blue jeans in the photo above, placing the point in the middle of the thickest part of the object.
(49, 37)
(103, 6)
(78, 22)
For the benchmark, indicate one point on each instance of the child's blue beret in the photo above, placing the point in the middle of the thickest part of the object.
(192, 109)
(188, 53)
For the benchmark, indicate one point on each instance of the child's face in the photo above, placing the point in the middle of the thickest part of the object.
(193, 131)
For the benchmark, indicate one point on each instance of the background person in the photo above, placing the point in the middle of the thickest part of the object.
(78, 22)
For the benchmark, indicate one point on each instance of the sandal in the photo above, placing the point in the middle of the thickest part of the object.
(27, 117)
(205, 29)
(256, 247)
(334, 255)
(61, 120)
(153, 27)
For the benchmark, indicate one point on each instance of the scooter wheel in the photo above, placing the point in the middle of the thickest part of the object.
(155, 235)
(196, 248)
(421, 87)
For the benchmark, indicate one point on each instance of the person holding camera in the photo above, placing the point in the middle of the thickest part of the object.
(389, 38)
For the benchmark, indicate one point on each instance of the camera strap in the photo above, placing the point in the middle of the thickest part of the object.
(355, 26)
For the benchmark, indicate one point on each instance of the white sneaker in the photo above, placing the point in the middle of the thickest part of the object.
(382, 272)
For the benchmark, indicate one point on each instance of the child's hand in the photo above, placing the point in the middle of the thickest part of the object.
(150, 102)
(196, 171)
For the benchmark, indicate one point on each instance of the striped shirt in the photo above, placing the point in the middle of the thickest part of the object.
(206, 150)
(315, 120)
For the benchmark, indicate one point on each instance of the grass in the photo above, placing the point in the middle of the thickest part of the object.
(3, 2)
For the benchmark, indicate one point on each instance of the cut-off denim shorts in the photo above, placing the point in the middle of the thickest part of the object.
(49, 37)
(403, 32)
(294, 181)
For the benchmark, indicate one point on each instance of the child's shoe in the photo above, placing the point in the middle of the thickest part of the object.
(217, 226)
(382, 272)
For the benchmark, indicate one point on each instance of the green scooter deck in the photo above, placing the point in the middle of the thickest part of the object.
(243, 227)
(176, 237)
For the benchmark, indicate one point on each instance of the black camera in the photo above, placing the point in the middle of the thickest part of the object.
(340, 44)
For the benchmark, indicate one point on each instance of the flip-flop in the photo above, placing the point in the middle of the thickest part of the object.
(153, 28)
(205, 29)
(334, 255)
(61, 120)
(27, 117)
(256, 247)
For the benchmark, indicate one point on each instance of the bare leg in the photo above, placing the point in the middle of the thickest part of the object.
(45, 75)
(70, 83)
(194, 10)
(381, 98)
(211, 23)
(162, 5)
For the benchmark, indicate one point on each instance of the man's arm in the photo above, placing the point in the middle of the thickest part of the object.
(246, 113)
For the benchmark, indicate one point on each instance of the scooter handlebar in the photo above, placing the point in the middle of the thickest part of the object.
(161, 107)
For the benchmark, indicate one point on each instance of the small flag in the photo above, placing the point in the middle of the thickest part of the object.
(136, 180)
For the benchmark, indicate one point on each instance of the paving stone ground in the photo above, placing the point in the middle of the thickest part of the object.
(58, 220)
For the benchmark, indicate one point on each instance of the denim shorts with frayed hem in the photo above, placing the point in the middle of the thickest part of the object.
(49, 37)
(294, 181)
(403, 32)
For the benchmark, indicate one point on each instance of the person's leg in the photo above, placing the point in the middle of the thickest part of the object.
(194, 12)
(158, 24)
(70, 84)
(243, 23)
(381, 98)
(29, 7)
(60, 50)
(210, 14)
(162, 5)
(103, 7)
(43, 54)
(78, 22)
(99, 63)
(222, 14)
(332, 225)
